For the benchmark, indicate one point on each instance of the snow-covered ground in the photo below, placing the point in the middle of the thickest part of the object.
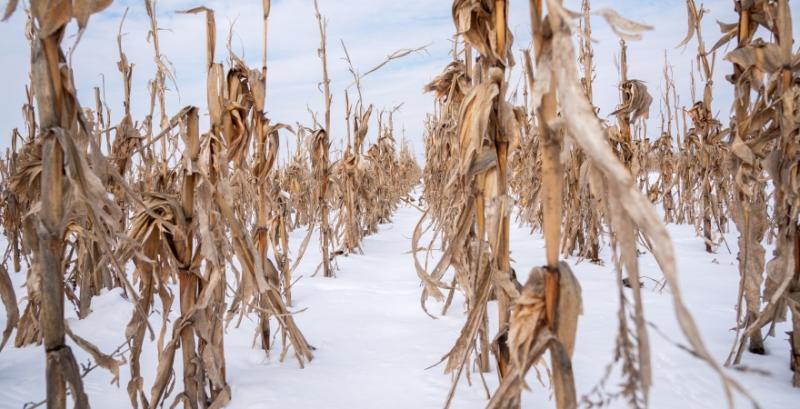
(373, 341)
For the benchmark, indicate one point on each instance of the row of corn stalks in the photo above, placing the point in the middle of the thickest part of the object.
(187, 223)
(584, 181)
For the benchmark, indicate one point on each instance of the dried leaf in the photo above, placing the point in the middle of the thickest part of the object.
(9, 299)
(105, 361)
(622, 27)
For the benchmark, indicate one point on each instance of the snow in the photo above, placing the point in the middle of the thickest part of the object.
(373, 341)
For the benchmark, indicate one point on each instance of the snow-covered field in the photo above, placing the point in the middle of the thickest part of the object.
(373, 341)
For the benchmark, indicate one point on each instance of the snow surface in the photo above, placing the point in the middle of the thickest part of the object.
(373, 341)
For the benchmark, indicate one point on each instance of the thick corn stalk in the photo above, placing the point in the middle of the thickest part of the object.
(62, 165)
(187, 276)
(554, 285)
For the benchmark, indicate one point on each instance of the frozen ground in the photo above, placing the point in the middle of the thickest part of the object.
(374, 342)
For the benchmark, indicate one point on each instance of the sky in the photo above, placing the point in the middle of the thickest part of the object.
(370, 29)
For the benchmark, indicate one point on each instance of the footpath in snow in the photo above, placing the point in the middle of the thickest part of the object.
(373, 341)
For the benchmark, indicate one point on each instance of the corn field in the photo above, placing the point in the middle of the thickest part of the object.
(203, 220)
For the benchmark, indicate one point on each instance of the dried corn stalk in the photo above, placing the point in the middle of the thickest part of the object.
(320, 148)
(70, 191)
(705, 183)
(585, 129)
(748, 208)
(539, 320)
(770, 69)
(582, 209)
(478, 127)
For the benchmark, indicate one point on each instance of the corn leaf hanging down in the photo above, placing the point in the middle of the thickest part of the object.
(475, 20)
(361, 130)
(53, 14)
(11, 6)
(9, 299)
(622, 27)
(691, 24)
(766, 57)
(530, 335)
(473, 121)
(451, 85)
(635, 101)
(83, 9)
(106, 361)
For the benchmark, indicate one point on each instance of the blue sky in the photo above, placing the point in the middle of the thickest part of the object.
(371, 29)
